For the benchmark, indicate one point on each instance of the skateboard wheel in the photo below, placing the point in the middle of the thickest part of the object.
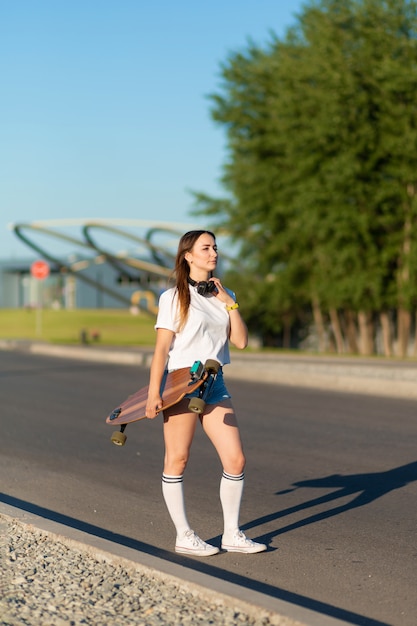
(118, 438)
(212, 366)
(196, 405)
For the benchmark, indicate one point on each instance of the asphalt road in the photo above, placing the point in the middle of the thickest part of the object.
(330, 482)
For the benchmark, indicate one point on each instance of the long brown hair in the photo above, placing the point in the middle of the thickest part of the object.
(182, 270)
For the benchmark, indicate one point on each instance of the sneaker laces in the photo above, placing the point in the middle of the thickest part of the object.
(241, 537)
(196, 540)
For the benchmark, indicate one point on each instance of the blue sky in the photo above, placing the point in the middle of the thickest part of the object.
(104, 110)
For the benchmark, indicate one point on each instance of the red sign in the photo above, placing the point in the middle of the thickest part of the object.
(39, 270)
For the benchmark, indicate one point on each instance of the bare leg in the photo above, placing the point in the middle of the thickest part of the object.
(179, 429)
(220, 424)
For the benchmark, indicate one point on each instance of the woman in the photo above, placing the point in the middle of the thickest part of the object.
(196, 320)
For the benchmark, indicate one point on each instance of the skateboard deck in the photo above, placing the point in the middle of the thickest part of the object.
(175, 385)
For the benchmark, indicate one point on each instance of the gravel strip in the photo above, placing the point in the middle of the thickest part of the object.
(47, 580)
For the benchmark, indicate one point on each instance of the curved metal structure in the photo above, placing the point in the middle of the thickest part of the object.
(162, 256)
(118, 261)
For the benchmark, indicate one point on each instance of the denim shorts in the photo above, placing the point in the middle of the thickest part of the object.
(218, 392)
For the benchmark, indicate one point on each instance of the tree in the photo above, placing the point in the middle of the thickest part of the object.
(321, 178)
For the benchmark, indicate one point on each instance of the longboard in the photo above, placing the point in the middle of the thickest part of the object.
(175, 385)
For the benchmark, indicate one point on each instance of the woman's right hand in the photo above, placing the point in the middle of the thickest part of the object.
(164, 339)
(153, 406)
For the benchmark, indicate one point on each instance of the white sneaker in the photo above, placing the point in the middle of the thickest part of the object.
(190, 543)
(240, 543)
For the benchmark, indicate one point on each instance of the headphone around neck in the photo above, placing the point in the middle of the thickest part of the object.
(204, 288)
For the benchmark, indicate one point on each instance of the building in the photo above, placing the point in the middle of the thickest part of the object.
(85, 283)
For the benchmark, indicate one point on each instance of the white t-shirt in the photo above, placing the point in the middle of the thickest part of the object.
(205, 334)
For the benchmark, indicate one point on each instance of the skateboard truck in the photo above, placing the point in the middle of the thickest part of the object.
(198, 404)
(118, 437)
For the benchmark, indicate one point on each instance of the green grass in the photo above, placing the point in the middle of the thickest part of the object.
(114, 326)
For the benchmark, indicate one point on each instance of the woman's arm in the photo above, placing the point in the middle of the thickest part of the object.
(164, 339)
(238, 334)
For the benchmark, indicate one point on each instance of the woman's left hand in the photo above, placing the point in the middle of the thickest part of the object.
(222, 295)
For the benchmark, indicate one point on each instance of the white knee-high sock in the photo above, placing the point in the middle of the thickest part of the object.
(173, 492)
(231, 489)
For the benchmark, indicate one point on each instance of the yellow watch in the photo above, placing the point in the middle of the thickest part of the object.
(233, 307)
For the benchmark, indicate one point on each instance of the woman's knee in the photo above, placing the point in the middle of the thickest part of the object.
(175, 464)
(235, 465)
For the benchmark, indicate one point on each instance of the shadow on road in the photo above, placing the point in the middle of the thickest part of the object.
(364, 487)
(196, 565)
